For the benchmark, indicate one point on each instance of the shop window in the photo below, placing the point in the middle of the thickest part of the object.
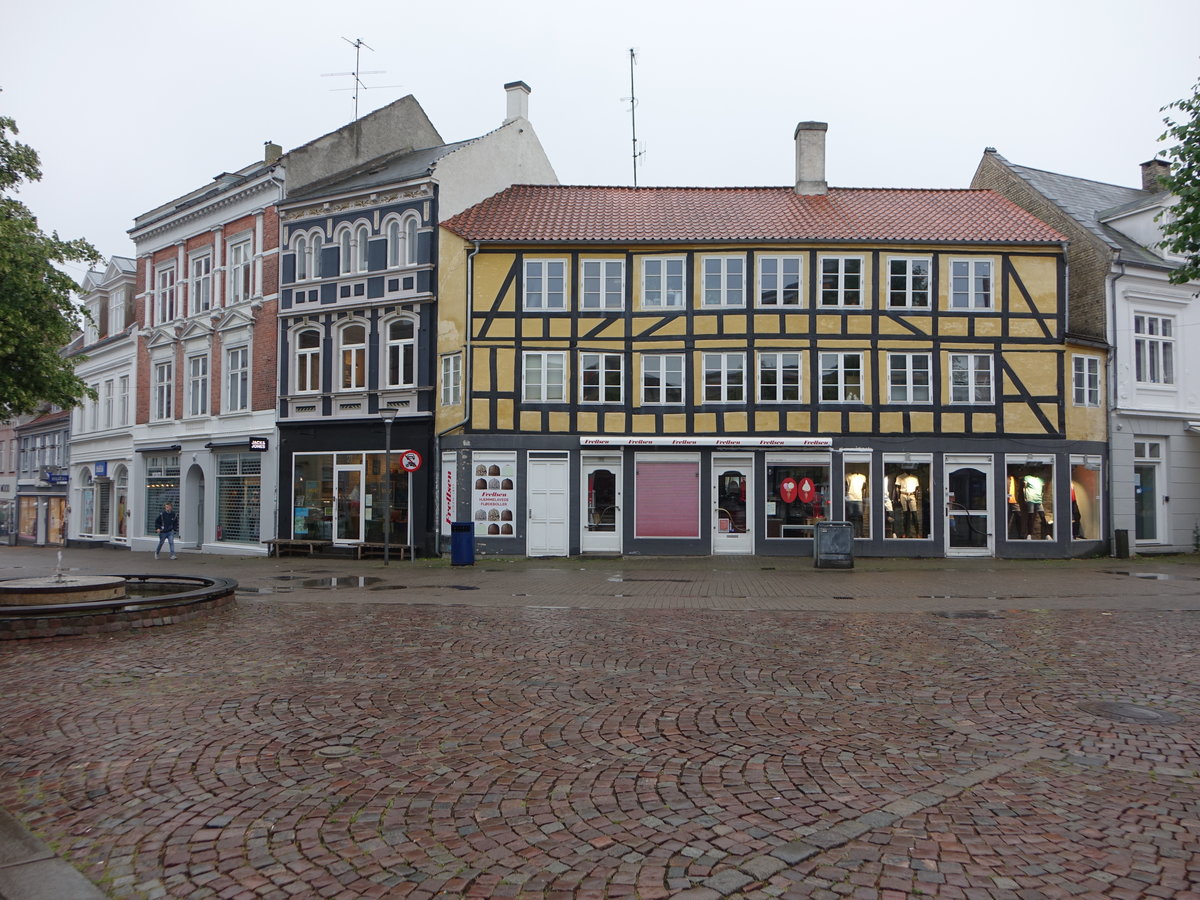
(797, 498)
(1030, 493)
(239, 496)
(1086, 483)
(668, 499)
(906, 493)
(162, 486)
(312, 496)
(87, 503)
(858, 494)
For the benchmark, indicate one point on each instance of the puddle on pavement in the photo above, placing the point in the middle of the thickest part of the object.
(339, 582)
(1153, 576)
(621, 578)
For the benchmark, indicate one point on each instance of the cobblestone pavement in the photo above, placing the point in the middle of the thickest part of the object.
(535, 742)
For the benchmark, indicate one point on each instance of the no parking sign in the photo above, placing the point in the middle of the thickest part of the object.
(410, 460)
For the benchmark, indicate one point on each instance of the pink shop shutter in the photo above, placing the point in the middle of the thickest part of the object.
(668, 499)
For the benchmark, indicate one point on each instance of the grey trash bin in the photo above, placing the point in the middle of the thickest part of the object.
(462, 543)
(833, 545)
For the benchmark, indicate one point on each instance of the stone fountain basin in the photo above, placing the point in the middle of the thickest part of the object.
(54, 589)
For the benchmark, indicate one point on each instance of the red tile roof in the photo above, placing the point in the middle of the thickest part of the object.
(622, 215)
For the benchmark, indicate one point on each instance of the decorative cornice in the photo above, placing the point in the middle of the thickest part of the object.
(202, 210)
(317, 209)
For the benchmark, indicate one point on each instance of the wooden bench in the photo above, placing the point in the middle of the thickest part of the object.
(369, 548)
(280, 546)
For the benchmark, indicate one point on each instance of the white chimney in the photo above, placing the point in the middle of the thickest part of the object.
(810, 158)
(518, 100)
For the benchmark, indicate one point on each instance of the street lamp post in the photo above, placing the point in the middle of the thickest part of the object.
(389, 416)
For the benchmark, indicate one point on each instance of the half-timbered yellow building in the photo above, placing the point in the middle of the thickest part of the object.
(721, 370)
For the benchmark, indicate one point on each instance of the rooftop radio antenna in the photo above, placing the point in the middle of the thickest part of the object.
(632, 98)
(358, 44)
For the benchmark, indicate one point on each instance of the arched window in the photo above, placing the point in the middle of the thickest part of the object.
(301, 258)
(353, 340)
(346, 255)
(361, 238)
(318, 244)
(410, 242)
(393, 244)
(401, 353)
(308, 361)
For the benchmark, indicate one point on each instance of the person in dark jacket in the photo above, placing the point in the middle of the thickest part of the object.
(167, 524)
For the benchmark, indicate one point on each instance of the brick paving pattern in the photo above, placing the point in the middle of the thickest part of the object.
(345, 744)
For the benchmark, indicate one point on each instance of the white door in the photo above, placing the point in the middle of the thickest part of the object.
(601, 504)
(968, 483)
(549, 479)
(732, 497)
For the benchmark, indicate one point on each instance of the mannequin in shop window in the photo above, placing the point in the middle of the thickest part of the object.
(906, 500)
(855, 483)
(1076, 517)
(1033, 489)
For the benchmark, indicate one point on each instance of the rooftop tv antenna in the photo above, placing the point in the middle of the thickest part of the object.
(357, 74)
(632, 98)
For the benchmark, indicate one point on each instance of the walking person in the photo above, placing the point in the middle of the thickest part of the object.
(167, 524)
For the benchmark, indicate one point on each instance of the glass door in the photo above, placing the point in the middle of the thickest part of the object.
(969, 506)
(348, 523)
(731, 498)
(1145, 501)
(601, 505)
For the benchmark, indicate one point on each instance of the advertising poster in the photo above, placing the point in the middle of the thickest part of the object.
(494, 493)
(446, 495)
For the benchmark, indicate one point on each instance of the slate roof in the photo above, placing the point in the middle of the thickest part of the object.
(624, 215)
(1090, 202)
(379, 172)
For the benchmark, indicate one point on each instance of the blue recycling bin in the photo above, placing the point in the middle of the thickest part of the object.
(462, 543)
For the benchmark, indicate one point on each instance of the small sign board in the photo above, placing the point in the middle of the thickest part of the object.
(410, 460)
(260, 444)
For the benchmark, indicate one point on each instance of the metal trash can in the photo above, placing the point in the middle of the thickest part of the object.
(1121, 540)
(462, 543)
(833, 545)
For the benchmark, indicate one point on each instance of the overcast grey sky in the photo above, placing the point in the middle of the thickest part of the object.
(133, 102)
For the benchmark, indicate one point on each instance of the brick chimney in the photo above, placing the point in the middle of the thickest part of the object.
(1152, 171)
(810, 158)
(518, 100)
(271, 152)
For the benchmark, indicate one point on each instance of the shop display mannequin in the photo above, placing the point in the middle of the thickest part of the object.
(907, 502)
(855, 483)
(1032, 490)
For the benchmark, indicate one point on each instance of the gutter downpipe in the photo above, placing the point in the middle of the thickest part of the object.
(1111, 327)
(437, 438)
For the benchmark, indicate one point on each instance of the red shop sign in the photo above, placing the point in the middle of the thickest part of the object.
(787, 489)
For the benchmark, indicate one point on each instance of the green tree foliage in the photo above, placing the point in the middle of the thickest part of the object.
(37, 315)
(1182, 227)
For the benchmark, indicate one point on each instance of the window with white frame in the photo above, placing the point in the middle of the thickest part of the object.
(452, 379)
(841, 281)
(662, 282)
(971, 284)
(197, 385)
(402, 242)
(346, 250)
(241, 270)
(308, 361)
(362, 246)
(411, 247)
(201, 286)
(1154, 349)
(778, 377)
(724, 377)
(970, 378)
(237, 379)
(662, 379)
(545, 284)
(123, 400)
(401, 353)
(352, 346)
(394, 250)
(317, 242)
(164, 389)
(603, 284)
(908, 282)
(302, 258)
(108, 404)
(779, 280)
(909, 378)
(91, 328)
(116, 311)
(601, 378)
(1086, 380)
(164, 305)
(841, 377)
(94, 409)
(724, 280)
(545, 377)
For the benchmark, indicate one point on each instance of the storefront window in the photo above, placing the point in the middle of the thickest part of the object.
(1085, 498)
(27, 517)
(376, 511)
(122, 482)
(312, 496)
(87, 503)
(1030, 492)
(668, 497)
(906, 498)
(347, 502)
(162, 486)
(239, 496)
(858, 494)
(797, 497)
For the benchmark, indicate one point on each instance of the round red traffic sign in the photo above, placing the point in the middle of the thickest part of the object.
(410, 460)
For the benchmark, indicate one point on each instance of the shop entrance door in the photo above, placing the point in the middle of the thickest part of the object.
(348, 524)
(549, 477)
(601, 505)
(968, 482)
(732, 495)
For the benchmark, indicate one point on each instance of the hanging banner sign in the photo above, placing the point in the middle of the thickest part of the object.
(658, 441)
